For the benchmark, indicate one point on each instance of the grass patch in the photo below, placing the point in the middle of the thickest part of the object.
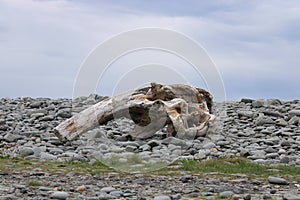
(239, 166)
(12, 165)
(35, 184)
(133, 164)
(222, 167)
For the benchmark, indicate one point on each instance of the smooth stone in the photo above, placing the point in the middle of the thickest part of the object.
(47, 118)
(272, 155)
(226, 194)
(270, 150)
(26, 151)
(282, 151)
(175, 141)
(295, 112)
(153, 143)
(9, 197)
(246, 100)
(176, 196)
(55, 151)
(294, 120)
(258, 153)
(9, 137)
(245, 113)
(64, 113)
(285, 160)
(277, 180)
(209, 145)
(47, 156)
(59, 195)
(281, 122)
(108, 189)
(273, 102)
(80, 188)
(43, 188)
(288, 196)
(36, 104)
(262, 120)
(116, 193)
(258, 103)
(162, 198)
(247, 197)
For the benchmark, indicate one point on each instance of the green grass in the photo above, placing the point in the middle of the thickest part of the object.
(134, 164)
(240, 166)
(11, 165)
(220, 167)
(35, 183)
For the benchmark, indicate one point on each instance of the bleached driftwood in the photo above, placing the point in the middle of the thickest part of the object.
(186, 110)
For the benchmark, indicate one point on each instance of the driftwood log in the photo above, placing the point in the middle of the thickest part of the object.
(184, 109)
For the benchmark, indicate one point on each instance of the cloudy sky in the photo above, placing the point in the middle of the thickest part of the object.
(254, 44)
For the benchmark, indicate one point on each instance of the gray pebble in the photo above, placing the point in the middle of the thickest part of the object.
(26, 151)
(47, 156)
(59, 195)
(226, 194)
(289, 196)
(162, 198)
(277, 180)
(108, 189)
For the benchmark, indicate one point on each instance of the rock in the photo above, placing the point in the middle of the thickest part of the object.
(43, 188)
(59, 195)
(226, 194)
(47, 118)
(37, 150)
(8, 197)
(273, 102)
(272, 155)
(247, 197)
(244, 152)
(176, 196)
(175, 141)
(295, 113)
(281, 122)
(162, 198)
(236, 197)
(36, 104)
(9, 137)
(277, 180)
(267, 196)
(285, 143)
(288, 196)
(80, 188)
(116, 193)
(209, 145)
(262, 120)
(47, 156)
(245, 113)
(108, 189)
(272, 113)
(284, 160)
(64, 113)
(153, 143)
(282, 151)
(26, 151)
(294, 120)
(258, 153)
(245, 100)
(258, 103)
(273, 191)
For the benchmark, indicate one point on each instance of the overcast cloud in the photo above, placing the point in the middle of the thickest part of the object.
(255, 44)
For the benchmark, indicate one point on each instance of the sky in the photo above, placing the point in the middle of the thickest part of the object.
(255, 45)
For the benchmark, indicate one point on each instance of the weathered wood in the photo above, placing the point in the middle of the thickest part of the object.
(183, 108)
